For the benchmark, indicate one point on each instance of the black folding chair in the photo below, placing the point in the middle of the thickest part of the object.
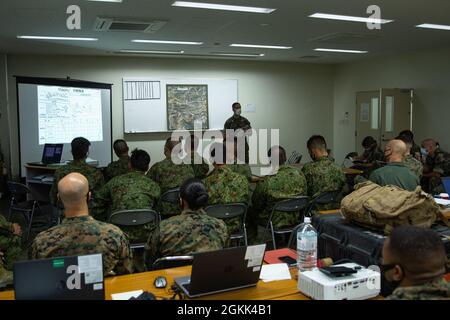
(229, 211)
(172, 197)
(23, 201)
(293, 205)
(324, 198)
(172, 262)
(134, 218)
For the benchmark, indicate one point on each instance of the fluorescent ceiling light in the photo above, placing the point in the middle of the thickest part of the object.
(56, 38)
(340, 50)
(152, 51)
(258, 46)
(168, 42)
(433, 26)
(216, 6)
(238, 54)
(348, 18)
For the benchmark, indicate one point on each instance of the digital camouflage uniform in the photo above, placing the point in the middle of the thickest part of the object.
(93, 175)
(439, 163)
(414, 165)
(117, 168)
(436, 290)
(286, 184)
(323, 175)
(132, 190)
(85, 235)
(242, 169)
(200, 169)
(188, 233)
(169, 175)
(239, 122)
(225, 186)
(10, 244)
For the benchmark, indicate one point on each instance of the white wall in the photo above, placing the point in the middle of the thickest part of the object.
(4, 127)
(427, 72)
(295, 98)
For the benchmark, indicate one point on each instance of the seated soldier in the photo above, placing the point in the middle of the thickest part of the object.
(194, 158)
(190, 232)
(371, 158)
(6, 276)
(80, 234)
(409, 160)
(414, 261)
(80, 151)
(415, 149)
(288, 182)
(10, 242)
(395, 172)
(169, 175)
(118, 167)
(322, 174)
(225, 186)
(132, 190)
(436, 166)
(235, 160)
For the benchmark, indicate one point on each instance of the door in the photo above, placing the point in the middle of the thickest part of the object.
(396, 113)
(367, 117)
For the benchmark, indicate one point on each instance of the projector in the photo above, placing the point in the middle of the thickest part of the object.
(364, 284)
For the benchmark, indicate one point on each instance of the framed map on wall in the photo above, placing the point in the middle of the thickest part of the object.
(186, 103)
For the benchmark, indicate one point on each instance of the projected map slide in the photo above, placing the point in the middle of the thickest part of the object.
(66, 113)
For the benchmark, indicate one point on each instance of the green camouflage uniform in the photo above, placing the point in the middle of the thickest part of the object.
(85, 235)
(10, 244)
(239, 122)
(439, 163)
(414, 165)
(415, 151)
(323, 175)
(132, 190)
(185, 234)
(225, 186)
(169, 175)
(6, 277)
(286, 184)
(242, 169)
(117, 168)
(436, 290)
(93, 175)
(373, 155)
(200, 169)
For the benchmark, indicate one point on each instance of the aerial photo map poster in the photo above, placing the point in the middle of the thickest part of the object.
(185, 105)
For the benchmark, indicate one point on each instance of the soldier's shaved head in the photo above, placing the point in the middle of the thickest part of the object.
(397, 147)
(73, 190)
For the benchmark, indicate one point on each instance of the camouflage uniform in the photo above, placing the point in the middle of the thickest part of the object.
(10, 244)
(6, 277)
(415, 151)
(439, 163)
(287, 183)
(117, 168)
(323, 175)
(242, 169)
(239, 122)
(132, 190)
(225, 186)
(187, 233)
(373, 155)
(435, 290)
(414, 165)
(85, 235)
(169, 175)
(93, 175)
(200, 169)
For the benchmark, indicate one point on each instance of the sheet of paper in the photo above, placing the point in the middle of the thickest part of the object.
(126, 295)
(274, 272)
(444, 202)
(255, 255)
(92, 267)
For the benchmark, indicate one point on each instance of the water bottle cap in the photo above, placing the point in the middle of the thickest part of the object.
(307, 220)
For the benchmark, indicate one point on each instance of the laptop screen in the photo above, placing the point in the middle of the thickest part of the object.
(52, 153)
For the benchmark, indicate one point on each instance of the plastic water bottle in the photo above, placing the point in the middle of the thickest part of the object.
(306, 246)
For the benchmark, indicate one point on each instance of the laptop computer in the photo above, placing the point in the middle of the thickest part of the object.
(52, 153)
(223, 270)
(64, 278)
(446, 183)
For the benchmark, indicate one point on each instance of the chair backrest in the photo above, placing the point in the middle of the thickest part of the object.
(171, 196)
(136, 217)
(16, 188)
(172, 262)
(291, 205)
(227, 211)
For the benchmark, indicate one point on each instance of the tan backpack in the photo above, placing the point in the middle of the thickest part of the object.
(384, 208)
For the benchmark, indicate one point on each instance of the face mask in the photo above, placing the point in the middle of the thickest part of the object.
(424, 152)
(384, 268)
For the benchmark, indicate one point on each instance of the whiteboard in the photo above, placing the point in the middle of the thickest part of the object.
(145, 102)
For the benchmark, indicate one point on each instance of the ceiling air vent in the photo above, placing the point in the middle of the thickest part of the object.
(127, 25)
